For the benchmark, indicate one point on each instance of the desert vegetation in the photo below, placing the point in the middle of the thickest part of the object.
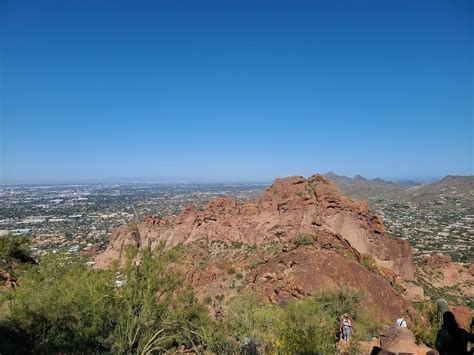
(62, 305)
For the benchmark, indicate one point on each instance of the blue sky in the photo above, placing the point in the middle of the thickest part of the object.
(235, 90)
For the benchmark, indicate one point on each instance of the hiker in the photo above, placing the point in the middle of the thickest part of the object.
(346, 327)
(452, 340)
(401, 322)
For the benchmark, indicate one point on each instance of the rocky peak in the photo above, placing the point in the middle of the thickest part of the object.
(291, 207)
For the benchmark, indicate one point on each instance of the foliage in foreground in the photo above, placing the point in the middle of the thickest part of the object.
(424, 334)
(62, 305)
(305, 326)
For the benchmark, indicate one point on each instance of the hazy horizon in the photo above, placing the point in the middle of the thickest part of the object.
(202, 180)
(235, 91)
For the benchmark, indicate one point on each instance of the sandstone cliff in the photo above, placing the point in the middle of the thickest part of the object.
(302, 236)
(291, 206)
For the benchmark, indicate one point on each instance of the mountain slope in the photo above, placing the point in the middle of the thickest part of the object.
(447, 190)
(302, 236)
(290, 207)
(450, 189)
(362, 188)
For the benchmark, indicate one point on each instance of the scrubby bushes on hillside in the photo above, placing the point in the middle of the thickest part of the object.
(62, 305)
(303, 239)
(302, 326)
(424, 334)
(15, 249)
(369, 262)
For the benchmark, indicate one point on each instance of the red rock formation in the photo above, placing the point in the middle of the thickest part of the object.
(436, 260)
(258, 243)
(290, 207)
(414, 292)
(149, 219)
(450, 276)
(398, 340)
(463, 315)
(306, 270)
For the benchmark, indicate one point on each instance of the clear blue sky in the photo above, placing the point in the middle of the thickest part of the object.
(235, 90)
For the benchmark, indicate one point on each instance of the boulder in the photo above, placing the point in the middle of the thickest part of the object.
(400, 340)
(414, 292)
(436, 260)
(463, 316)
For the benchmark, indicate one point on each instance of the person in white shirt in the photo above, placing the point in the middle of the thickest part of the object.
(346, 327)
(401, 322)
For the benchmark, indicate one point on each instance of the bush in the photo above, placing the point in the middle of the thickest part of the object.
(369, 263)
(64, 306)
(303, 239)
(15, 248)
(275, 248)
(302, 326)
(424, 334)
(61, 305)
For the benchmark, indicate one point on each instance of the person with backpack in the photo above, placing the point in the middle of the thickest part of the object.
(346, 327)
(401, 322)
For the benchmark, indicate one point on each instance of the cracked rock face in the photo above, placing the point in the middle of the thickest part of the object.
(301, 236)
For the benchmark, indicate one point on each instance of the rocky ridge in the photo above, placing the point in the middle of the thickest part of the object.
(442, 191)
(300, 237)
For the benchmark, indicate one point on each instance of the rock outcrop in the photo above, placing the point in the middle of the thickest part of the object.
(291, 207)
(454, 279)
(6, 277)
(301, 237)
(398, 340)
(436, 260)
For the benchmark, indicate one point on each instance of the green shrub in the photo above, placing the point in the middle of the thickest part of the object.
(15, 248)
(64, 306)
(236, 244)
(369, 263)
(275, 248)
(61, 305)
(424, 334)
(302, 326)
(303, 239)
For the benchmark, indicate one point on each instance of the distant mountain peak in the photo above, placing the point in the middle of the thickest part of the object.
(406, 190)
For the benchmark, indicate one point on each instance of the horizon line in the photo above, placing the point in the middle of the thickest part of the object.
(182, 180)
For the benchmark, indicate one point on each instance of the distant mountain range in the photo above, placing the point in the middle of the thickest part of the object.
(448, 189)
